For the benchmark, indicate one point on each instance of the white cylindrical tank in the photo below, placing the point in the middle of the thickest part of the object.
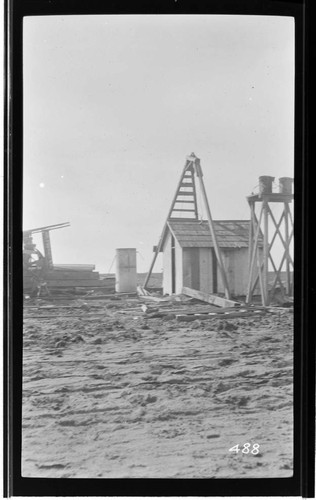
(126, 276)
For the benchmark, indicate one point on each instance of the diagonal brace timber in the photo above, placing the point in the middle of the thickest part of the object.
(255, 220)
(196, 162)
(277, 226)
(253, 257)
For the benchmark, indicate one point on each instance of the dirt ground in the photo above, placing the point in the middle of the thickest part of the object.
(109, 391)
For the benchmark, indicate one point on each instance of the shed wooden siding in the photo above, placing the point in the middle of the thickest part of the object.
(202, 277)
(187, 279)
(179, 267)
(167, 266)
(167, 274)
(236, 265)
(198, 269)
(194, 260)
(206, 270)
(191, 268)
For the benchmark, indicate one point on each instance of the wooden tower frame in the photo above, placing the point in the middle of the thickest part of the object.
(260, 224)
(186, 193)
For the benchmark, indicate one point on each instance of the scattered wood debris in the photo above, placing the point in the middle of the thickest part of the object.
(241, 313)
(211, 299)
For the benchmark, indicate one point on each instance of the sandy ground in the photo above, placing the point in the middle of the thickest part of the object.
(108, 392)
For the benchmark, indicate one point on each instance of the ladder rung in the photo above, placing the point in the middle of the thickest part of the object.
(184, 201)
(183, 218)
(186, 184)
(183, 210)
(186, 193)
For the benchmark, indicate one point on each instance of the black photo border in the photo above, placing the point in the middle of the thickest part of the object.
(302, 482)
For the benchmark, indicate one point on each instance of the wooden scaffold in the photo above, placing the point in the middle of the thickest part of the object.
(282, 230)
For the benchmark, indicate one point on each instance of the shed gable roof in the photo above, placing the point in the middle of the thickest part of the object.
(230, 233)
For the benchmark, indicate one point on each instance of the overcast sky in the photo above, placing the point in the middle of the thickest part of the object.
(114, 104)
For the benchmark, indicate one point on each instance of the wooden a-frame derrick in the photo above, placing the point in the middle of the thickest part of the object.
(27, 238)
(186, 194)
(260, 254)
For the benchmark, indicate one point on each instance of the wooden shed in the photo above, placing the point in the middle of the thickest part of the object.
(189, 258)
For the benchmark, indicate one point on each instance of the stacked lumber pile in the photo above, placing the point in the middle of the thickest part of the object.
(71, 276)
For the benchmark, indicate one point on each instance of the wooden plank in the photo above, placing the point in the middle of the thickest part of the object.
(40, 229)
(64, 316)
(71, 283)
(65, 296)
(211, 299)
(155, 299)
(73, 272)
(72, 275)
(108, 295)
(142, 291)
(195, 268)
(53, 307)
(74, 267)
(75, 275)
(47, 248)
(226, 316)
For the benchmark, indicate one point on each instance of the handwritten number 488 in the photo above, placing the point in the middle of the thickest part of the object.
(246, 448)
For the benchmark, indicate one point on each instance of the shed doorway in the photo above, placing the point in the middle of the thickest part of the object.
(191, 268)
(200, 269)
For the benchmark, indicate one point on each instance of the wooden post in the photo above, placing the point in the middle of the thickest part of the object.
(47, 249)
(199, 174)
(251, 249)
(251, 232)
(265, 252)
(253, 258)
(288, 275)
(261, 280)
